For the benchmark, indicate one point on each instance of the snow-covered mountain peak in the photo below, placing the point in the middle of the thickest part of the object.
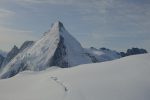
(57, 27)
(58, 24)
(56, 48)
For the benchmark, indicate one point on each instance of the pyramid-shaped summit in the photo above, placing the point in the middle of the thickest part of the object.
(56, 48)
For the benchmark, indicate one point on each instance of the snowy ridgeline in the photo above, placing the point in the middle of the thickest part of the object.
(56, 48)
(123, 79)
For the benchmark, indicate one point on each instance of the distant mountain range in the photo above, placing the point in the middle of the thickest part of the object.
(56, 48)
(133, 51)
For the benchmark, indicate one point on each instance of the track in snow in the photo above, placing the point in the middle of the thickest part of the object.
(60, 83)
(75, 90)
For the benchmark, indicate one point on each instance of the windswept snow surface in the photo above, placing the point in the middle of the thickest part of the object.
(123, 79)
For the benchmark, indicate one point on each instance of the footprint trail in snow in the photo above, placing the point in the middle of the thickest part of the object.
(61, 84)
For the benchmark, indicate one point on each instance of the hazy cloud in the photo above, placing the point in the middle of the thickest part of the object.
(10, 37)
(6, 13)
(101, 21)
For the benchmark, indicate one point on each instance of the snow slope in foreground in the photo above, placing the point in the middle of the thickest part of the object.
(123, 79)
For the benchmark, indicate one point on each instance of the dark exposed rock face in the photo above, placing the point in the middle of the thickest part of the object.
(1, 60)
(13, 52)
(103, 48)
(60, 53)
(93, 58)
(123, 54)
(26, 44)
(133, 51)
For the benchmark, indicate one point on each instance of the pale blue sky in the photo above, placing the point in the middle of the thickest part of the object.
(116, 24)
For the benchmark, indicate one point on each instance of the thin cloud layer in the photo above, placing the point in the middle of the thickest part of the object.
(4, 14)
(102, 21)
(14, 37)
